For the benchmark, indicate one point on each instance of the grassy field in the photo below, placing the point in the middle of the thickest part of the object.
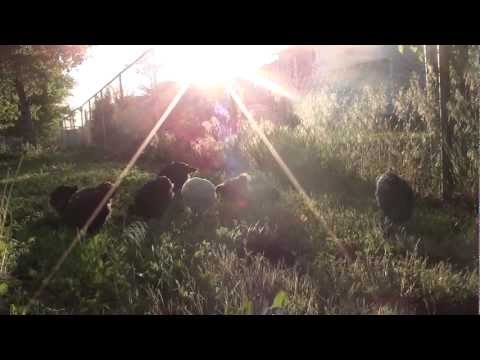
(183, 266)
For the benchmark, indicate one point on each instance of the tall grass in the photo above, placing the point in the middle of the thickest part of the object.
(6, 244)
(369, 130)
(183, 267)
(5, 231)
(340, 144)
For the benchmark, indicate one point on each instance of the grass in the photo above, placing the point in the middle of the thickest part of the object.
(186, 267)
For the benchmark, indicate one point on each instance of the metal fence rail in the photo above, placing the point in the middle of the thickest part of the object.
(126, 82)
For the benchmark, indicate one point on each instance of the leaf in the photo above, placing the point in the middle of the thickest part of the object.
(280, 299)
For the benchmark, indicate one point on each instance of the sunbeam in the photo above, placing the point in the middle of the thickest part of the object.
(117, 183)
(308, 201)
(263, 81)
(255, 78)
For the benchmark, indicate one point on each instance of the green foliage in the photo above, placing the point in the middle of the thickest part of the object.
(35, 82)
(186, 267)
(341, 142)
(415, 49)
(119, 125)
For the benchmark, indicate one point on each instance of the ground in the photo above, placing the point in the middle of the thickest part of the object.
(185, 265)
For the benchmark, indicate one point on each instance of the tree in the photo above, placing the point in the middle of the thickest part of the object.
(36, 77)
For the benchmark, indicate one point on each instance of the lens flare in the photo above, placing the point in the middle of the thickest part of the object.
(308, 201)
(209, 65)
(117, 183)
(209, 69)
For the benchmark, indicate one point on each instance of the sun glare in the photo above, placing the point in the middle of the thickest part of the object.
(207, 65)
(200, 65)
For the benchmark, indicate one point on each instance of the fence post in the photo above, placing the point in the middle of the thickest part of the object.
(446, 129)
(81, 117)
(85, 129)
(431, 71)
(89, 110)
(121, 85)
(102, 111)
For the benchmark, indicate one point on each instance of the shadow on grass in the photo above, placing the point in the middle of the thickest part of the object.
(448, 234)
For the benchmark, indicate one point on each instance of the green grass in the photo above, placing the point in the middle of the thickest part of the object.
(186, 267)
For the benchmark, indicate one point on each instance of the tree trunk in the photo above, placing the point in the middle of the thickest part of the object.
(25, 124)
(444, 70)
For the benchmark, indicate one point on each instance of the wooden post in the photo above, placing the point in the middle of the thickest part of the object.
(86, 127)
(447, 173)
(425, 55)
(120, 85)
(89, 110)
(102, 112)
(431, 71)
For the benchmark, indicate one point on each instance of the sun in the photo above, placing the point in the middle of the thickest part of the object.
(210, 65)
(205, 65)
(200, 65)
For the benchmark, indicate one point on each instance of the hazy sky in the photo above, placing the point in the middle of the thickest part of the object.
(105, 61)
(102, 64)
